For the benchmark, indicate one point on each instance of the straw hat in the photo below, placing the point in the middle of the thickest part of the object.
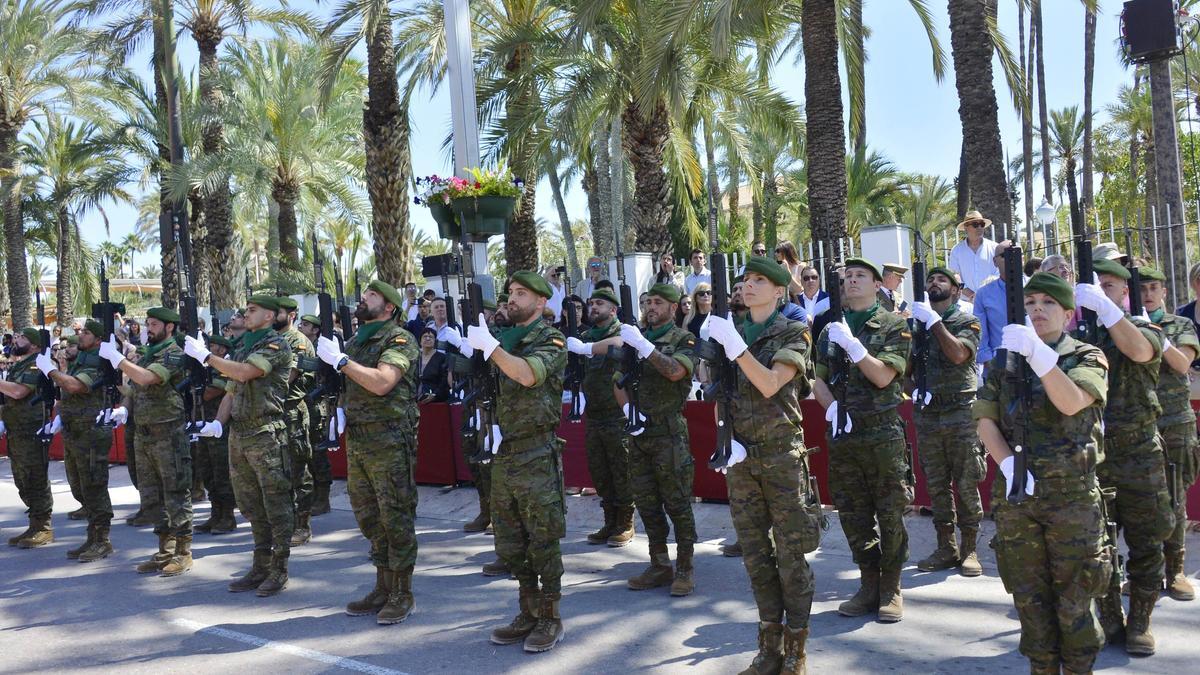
(971, 217)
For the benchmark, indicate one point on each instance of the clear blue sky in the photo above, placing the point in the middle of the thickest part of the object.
(911, 118)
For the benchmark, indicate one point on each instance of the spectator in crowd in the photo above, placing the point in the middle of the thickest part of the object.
(786, 255)
(410, 302)
(558, 291)
(682, 309)
(440, 319)
(701, 306)
(1033, 264)
(974, 257)
(758, 248)
(700, 274)
(418, 323)
(990, 309)
(811, 294)
(593, 274)
(433, 385)
(667, 274)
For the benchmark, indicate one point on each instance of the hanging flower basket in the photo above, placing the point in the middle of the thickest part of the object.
(485, 215)
(483, 202)
(443, 215)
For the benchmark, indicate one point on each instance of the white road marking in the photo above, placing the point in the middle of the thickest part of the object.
(283, 647)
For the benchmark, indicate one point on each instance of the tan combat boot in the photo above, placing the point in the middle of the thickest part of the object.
(1178, 586)
(258, 573)
(320, 500)
(400, 603)
(41, 534)
(73, 554)
(302, 534)
(141, 519)
(101, 546)
(1139, 641)
(1112, 616)
(373, 601)
(866, 599)
(769, 659)
(794, 658)
(622, 531)
(15, 541)
(182, 560)
(166, 545)
(277, 578)
(601, 535)
(946, 555)
(969, 565)
(684, 583)
(226, 521)
(659, 573)
(549, 629)
(483, 520)
(520, 627)
(891, 603)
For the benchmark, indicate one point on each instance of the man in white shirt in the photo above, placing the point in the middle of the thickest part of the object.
(811, 296)
(699, 273)
(594, 273)
(972, 257)
(410, 301)
(558, 290)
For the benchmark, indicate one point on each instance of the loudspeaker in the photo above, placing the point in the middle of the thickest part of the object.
(439, 265)
(1149, 30)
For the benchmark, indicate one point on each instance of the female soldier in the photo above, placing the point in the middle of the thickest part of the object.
(1050, 547)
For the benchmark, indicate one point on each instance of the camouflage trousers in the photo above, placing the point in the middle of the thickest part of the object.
(1052, 560)
(1180, 448)
(165, 462)
(318, 465)
(1134, 465)
(767, 493)
(213, 466)
(300, 454)
(30, 471)
(86, 449)
(954, 464)
(663, 473)
(260, 470)
(150, 497)
(481, 474)
(868, 476)
(529, 510)
(608, 462)
(381, 463)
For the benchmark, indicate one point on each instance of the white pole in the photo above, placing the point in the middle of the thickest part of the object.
(810, 256)
(1154, 231)
(1112, 225)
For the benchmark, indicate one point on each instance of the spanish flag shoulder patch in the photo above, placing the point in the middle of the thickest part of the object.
(906, 335)
(400, 340)
(273, 345)
(557, 342)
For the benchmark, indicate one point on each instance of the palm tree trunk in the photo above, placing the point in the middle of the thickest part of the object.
(977, 108)
(220, 239)
(962, 184)
(272, 239)
(590, 188)
(1026, 117)
(16, 270)
(756, 216)
(166, 217)
(710, 159)
(520, 242)
(384, 135)
(770, 210)
(618, 191)
(1089, 71)
(286, 193)
(564, 221)
(645, 138)
(737, 226)
(825, 128)
(198, 229)
(64, 297)
(1043, 115)
(1073, 199)
(602, 214)
(1166, 168)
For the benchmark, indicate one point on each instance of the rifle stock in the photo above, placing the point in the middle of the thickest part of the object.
(920, 352)
(105, 311)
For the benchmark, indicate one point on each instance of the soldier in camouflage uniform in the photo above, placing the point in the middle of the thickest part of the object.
(252, 409)
(950, 456)
(660, 456)
(769, 495)
(297, 419)
(1177, 424)
(318, 413)
(21, 421)
(214, 451)
(381, 387)
(164, 458)
(1133, 456)
(1050, 547)
(528, 506)
(868, 471)
(606, 441)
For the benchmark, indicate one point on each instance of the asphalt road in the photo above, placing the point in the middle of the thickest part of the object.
(59, 615)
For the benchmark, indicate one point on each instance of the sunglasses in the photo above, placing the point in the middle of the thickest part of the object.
(595, 265)
(703, 292)
(759, 251)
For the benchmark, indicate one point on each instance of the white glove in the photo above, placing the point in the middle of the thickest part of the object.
(497, 436)
(117, 416)
(211, 429)
(839, 333)
(194, 347)
(704, 333)
(633, 337)
(329, 351)
(831, 416)
(1006, 468)
(737, 454)
(1090, 296)
(3, 429)
(641, 418)
(449, 335)
(577, 346)
(1166, 343)
(922, 311)
(479, 337)
(725, 333)
(1025, 341)
(109, 350)
(52, 427)
(45, 363)
(917, 395)
(337, 424)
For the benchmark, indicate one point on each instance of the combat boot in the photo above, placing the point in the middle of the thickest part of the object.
(141, 519)
(946, 555)
(41, 535)
(166, 544)
(622, 532)
(549, 629)
(866, 600)
(400, 601)
(259, 571)
(483, 520)
(182, 560)
(320, 500)
(78, 514)
(14, 541)
(303, 532)
(226, 521)
(373, 601)
(683, 583)
(276, 579)
(794, 658)
(1139, 641)
(74, 553)
(601, 535)
(659, 573)
(733, 550)
(496, 568)
(891, 603)
(769, 659)
(207, 526)
(1112, 616)
(101, 546)
(520, 628)
(1178, 586)
(969, 565)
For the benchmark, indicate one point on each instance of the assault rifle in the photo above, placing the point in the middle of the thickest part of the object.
(1018, 378)
(1085, 274)
(330, 383)
(189, 324)
(483, 386)
(573, 377)
(920, 352)
(631, 366)
(105, 311)
(839, 361)
(344, 316)
(1135, 280)
(723, 372)
(46, 391)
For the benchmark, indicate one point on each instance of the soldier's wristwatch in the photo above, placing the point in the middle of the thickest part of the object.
(342, 363)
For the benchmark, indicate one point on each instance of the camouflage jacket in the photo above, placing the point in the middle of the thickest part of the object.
(85, 406)
(216, 381)
(396, 347)
(1059, 446)
(1172, 388)
(886, 337)
(23, 415)
(162, 402)
(944, 379)
(662, 400)
(761, 420)
(259, 403)
(528, 412)
(302, 349)
(602, 404)
(1132, 401)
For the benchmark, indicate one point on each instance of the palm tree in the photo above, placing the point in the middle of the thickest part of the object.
(132, 244)
(1038, 43)
(825, 144)
(1090, 7)
(873, 186)
(1066, 144)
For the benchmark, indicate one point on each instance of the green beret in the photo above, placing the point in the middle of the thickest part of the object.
(865, 264)
(503, 297)
(605, 294)
(1053, 286)
(1152, 274)
(219, 340)
(489, 304)
(668, 292)
(268, 302)
(311, 318)
(773, 271)
(1105, 266)
(163, 314)
(72, 339)
(287, 303)
(388, 292)
(533, 282)
(95, 328)
(33, 335)
(945, 271)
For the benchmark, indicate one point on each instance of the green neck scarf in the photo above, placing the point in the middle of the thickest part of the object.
(1157, 315)
(599, 331)
(251, 337)
(950, 309)
(152, 350)
(653, 334)
(753, 330)
(510, 337)
(368, 330)
(856, 319)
